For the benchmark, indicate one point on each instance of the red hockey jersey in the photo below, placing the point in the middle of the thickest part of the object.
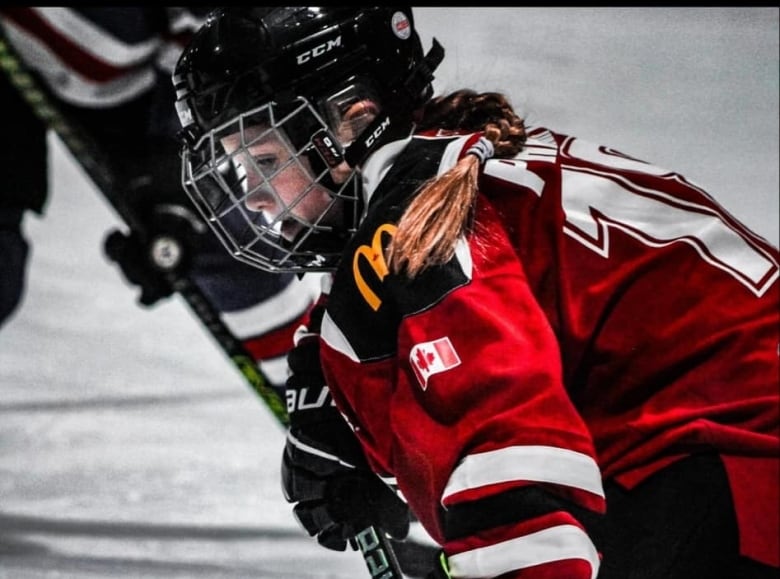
(603, 318)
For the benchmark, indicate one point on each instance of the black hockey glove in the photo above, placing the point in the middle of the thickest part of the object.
(173, 235)
(133, 259)
(324, 470)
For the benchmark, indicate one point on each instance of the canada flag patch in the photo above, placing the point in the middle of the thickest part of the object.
(429, 358)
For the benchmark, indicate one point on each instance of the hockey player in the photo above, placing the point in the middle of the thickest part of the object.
(108, 69)
(567, 358)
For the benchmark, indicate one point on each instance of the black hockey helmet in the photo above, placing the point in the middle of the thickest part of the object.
(297, 71)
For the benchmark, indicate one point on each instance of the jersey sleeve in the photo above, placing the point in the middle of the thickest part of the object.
(476, 425)
(98, 57)
(273, 307)
(514, 464)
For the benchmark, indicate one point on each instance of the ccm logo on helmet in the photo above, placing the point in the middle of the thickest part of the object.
(377, 132)
(318, 50)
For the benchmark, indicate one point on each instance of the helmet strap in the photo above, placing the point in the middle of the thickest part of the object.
(378, 132)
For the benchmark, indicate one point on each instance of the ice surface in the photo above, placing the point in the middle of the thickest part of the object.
(129, 445)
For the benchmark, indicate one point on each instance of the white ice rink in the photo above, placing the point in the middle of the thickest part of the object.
(130, 446)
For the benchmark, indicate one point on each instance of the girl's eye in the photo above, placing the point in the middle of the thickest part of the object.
(266, 164)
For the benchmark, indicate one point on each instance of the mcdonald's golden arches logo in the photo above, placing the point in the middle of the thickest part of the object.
(375, 257)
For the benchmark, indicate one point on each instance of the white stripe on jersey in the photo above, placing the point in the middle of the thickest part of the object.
(276, 311)
(547, 546)
(94, 40)
(332, 335)
(68, 84)
(546, 464)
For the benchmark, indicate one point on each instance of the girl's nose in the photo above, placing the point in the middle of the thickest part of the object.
(260, 200)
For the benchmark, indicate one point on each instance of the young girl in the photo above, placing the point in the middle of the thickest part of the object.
(565, 358)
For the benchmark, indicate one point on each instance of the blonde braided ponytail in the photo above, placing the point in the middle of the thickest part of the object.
(439, 214)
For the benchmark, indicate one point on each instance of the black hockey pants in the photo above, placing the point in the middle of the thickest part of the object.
(678, 524)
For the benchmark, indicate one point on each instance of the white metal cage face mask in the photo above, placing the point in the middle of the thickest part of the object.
(265, 183)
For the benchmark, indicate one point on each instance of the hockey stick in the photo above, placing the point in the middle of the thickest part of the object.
(375, 546)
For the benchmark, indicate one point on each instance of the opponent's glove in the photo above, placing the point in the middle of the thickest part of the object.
(132, 256)
(324, 470)
(173, 236)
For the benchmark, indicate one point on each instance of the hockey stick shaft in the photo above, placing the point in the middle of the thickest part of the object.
(374, 544)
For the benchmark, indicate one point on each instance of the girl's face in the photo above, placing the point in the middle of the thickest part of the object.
(277, 183)
(283, 186)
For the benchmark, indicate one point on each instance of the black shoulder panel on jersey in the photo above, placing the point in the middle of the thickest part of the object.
(367, 302)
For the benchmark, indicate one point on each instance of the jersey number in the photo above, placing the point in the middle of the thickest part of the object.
(601, 197)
